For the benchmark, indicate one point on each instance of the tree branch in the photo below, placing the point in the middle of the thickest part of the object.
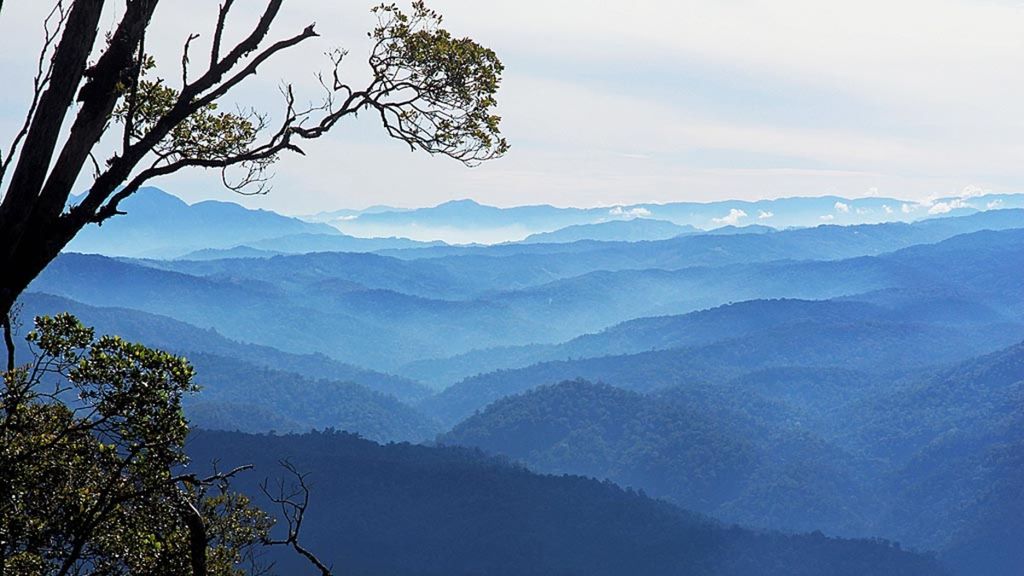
(186, 105)
(8, 341)
(98, 97)
(218, 32)
(44, 69)
(197, 538)
(293, 506)
(40, 141)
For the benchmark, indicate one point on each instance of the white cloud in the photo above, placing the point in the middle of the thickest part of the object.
(995, 204)
(638, 212)
(732, 218)
(842, 207)
(888, 209)
(827, 217)
(873, 191)
(949, 206)
(864, 211)
(764, 214)
(907, 208)
(972, 191)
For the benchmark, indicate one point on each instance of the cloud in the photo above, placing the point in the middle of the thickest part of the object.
(888, 209)
(864, 210)
(946, 207)
(764, 214)
(972, 191)
(638, 212)
(873, 191)
(997, 203)
(732, 218)
(842, 207)
(827, 218)
(907, 208)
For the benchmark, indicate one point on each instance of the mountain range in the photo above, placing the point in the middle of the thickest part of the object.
(161, 225)
(711, 395)
(462, 221)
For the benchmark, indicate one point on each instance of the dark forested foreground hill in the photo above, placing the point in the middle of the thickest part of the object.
(412, 510)
(718, 449)
(933, 459)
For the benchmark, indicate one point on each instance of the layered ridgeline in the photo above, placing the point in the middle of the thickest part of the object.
(932, 459)
(728, 342)
(402, 509)
(386, 312)
(860, 380)
(258, 388)
(466, 220)
(633, 230)
(929, 308)
(163, 226)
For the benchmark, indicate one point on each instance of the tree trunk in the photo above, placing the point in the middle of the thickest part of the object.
(38, 248)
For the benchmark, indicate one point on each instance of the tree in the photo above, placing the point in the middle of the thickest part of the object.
(91, 453)
(431, 90)
(92, 433)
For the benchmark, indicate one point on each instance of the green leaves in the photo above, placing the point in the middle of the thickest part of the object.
(207, 133)
(433, 90)
(90, 436)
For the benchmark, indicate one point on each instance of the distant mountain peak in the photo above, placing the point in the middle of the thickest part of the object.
(460, 202)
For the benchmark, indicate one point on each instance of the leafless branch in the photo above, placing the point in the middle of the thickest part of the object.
(132, 103)
(218, 477)
(184, 59)
(52, 27)
(293, 501)
(218, 33)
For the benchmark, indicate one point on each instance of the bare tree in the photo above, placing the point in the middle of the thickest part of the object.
(429, 89)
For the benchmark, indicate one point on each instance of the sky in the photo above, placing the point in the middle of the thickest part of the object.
(609, 103)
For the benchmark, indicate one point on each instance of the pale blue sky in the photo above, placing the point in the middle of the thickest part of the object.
(615, 102)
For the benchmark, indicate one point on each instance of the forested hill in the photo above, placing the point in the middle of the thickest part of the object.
(718, 449)
(877, 347)
(934, 459)
(414, 510)
(183, 338)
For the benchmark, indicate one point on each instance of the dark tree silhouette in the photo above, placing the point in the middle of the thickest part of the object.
(429, 89)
